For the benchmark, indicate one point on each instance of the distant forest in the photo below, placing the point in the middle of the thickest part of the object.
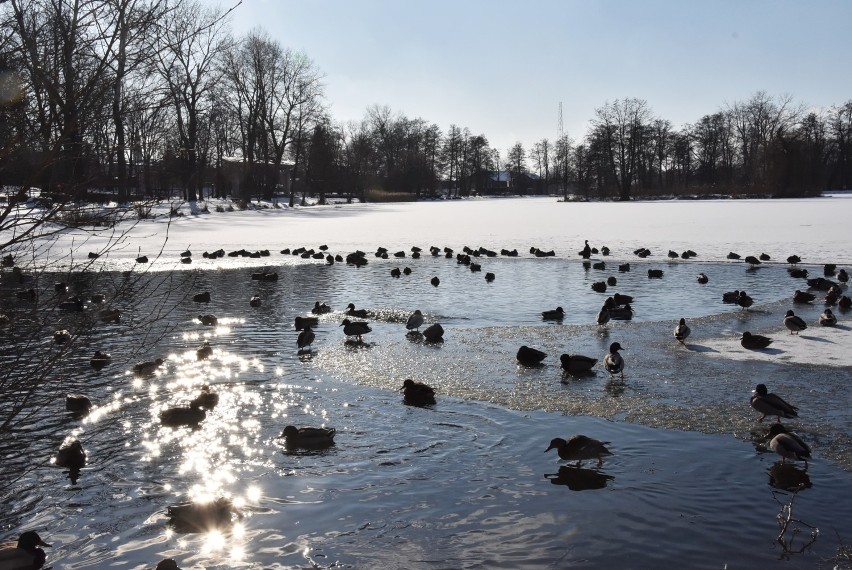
(124, 99)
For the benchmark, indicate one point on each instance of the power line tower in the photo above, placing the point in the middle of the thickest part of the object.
(559, 131)
(562, 161)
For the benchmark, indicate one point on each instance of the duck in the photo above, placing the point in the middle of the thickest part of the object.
(754, 341)
(356, 329)
(207, 399)
(208, 320)
(802, 297)
(434, 333)
(703, 279)
(624, 313)
(78, 404)
(744, 300)
(793, 323)
(167, 564)
(435, 281)
(72, 455)
(320, 308)
(308, 437)
(61, 337)
(731, 296)
(25, 554)
(417, 393)
(752, 260)
(147, 367)
(603, 316)
(358, 313)
(255, 301)
(844, 302)
(204, 351)
(620, 299)
(613, 362)
(579, 448)
(100, 359)
(110, 316)
(191, 415)
(302, 322)
(764, 257)
(770, 404)
(787, 444)
(530, 356)
(556, 314)
(794, 259)
(732, 255)
(586, 252)
(577, 362)
(414, 321)
(842, 276)
(201, 517)
(827, 318)
(306, 339)
(682, 331)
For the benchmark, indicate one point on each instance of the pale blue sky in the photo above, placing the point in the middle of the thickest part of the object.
(501, 67)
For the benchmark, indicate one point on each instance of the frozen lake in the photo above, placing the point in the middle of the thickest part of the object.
(465, 483)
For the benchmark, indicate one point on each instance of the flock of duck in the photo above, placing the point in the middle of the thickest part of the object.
(27, 552)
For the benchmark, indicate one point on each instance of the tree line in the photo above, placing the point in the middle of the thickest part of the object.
(123, 99)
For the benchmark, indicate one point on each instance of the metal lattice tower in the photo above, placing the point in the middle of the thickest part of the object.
(559, 131)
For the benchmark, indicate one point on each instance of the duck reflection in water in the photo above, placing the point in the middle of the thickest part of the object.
(579, 479)
(788, 477)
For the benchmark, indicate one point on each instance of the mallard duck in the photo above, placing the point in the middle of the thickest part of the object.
(61, 337)
(793, 323)
(71, 455)
(60, 287)
(682, 331)
(204, 351)
(770, 404)
(620, 299)
(844, 302)
(78, 403)
(797, 273)
(603, 316)
(794, 259)
(752, 260)
(827, 318)
(147, 367)
(255, 301)
(414, 321)
(434, 333)
(703, 279)
(208, 320)
(530, 356)
(744, 300)
(435, 281)
(142, 259)
(787, 444)
(206, 399)
(167, 564)
(754, 341)
(100, 359)
(306, 339)
(577, 362)
(764, 257)
(308, 437)
(556, 314)
(802, 297)
(586, 252)
(320, 308)
(302, 322)
(26, 554)
(202, 297)
(732, 255)
(110, 316)
(356, 329)
(842, 276)
(395, 272)
(579, 447)
(201, 517)
(624, 313)
(613, 362)
(417, 393)
(357, 313)
(731, 296)
(191, 415)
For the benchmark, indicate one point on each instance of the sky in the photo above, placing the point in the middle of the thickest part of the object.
(502, 67)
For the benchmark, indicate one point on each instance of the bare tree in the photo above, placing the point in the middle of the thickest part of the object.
(620, 126)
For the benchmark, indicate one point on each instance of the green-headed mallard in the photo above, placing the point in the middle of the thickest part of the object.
(787, 444)
(754, 341)
(793, 323)
(613, 362)
(25, 554)
(682, 331)
(827, 318)
(770, 404)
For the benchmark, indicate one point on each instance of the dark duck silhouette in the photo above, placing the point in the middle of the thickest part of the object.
(530, 356)
(770, 404)
(577, 362)
(417, 393)
(794, 323)
(754, 341)
(308, 437)
(25, 554)
(579, 448)
(681, 331)
(356, 329)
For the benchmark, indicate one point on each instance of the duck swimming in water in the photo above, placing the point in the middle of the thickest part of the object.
(579, 447)
(787, 444)
(793, 323)
(744, 300)
(770, 404)
(357, 313)
(613, 362)
(191, 415)
(801, 297)
(417, 393)
(556, 314)
(24, 555)
(308, 437)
